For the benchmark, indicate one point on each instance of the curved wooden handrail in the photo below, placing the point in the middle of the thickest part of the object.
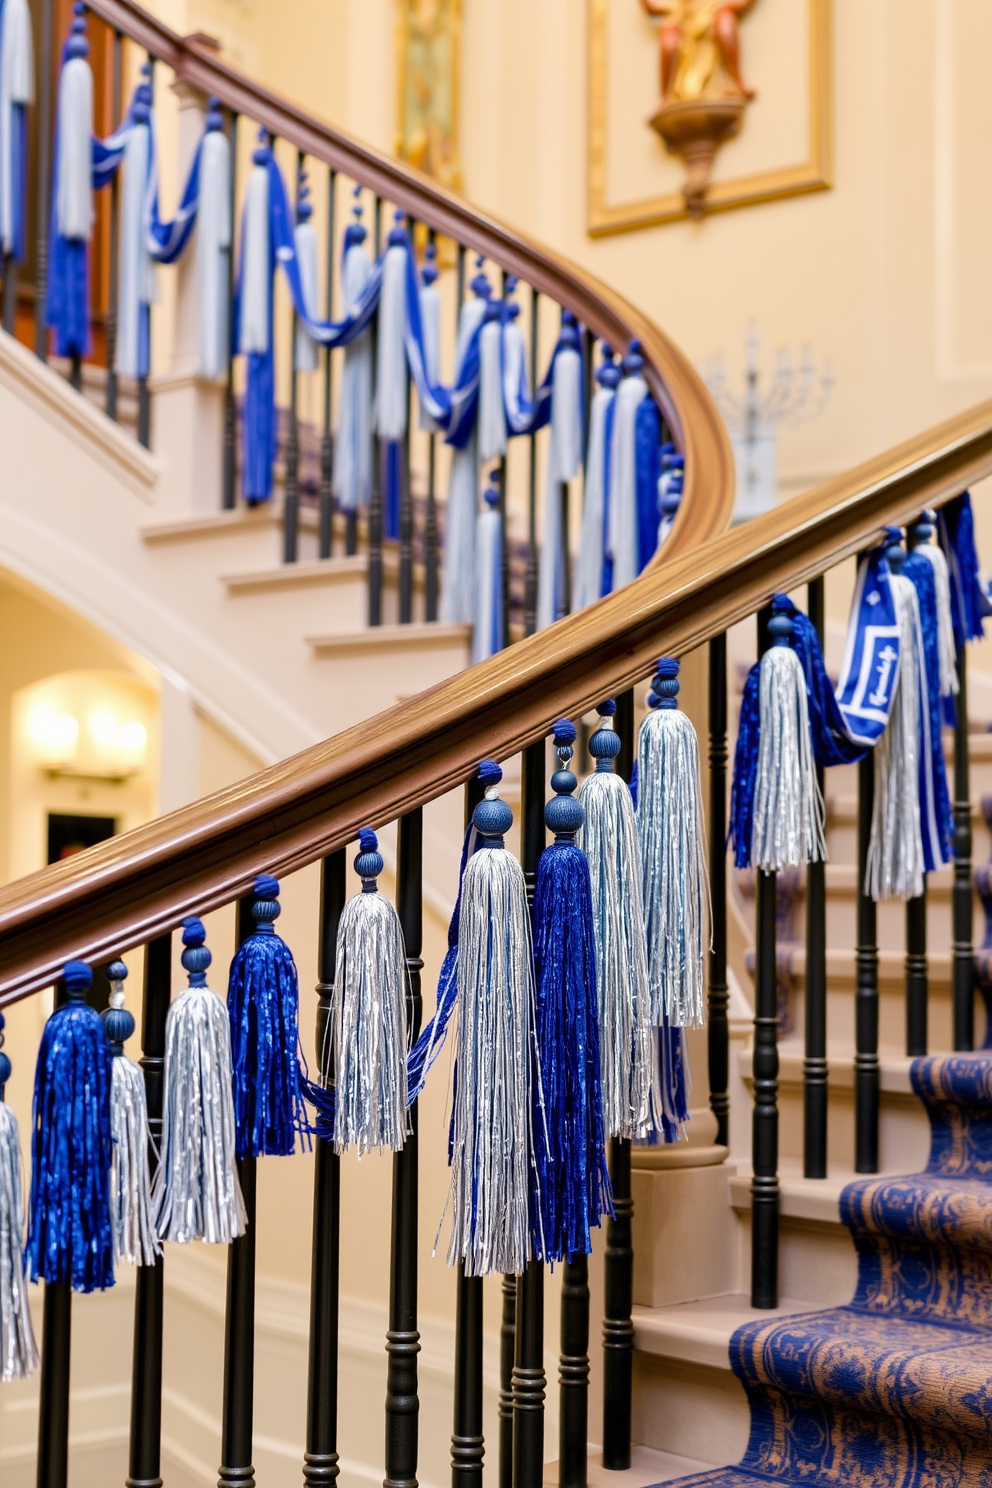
(133, 887)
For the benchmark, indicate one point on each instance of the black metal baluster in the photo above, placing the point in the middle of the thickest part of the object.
(530, 580)
(320, 1460)
(45, 119)
(9, 293)
(962, 949)
(53, 1405)
(236, 1469)
(917, 991)
(327, 439)
(115, 106)
(403, 1339)
(815, 1060)
(573, 1375)
(467, 1440)
(764, 1137)
(144, 392)
(618, 1262)
(718, 995)
(229, 453)
(378, 457)
(528, 1384)
(291, 502)
(507, 1351)
(866, 1080)
(145, 1459)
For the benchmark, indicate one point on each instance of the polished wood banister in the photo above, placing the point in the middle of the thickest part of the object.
(131, 888)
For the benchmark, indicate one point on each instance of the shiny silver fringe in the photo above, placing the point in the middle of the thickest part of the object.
(197, 1195)
(674, 879)
(895, 852)
(368, 1018)
(18, 1351)
(788, 805)
(130, 1193)
(609, 841)
(490, 1153)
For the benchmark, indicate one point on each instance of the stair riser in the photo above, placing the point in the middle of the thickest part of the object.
(903, 1130)
(680, 1406)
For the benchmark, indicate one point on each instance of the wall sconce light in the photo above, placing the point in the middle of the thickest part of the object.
(107, 750)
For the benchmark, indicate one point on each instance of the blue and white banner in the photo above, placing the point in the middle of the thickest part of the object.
(870, 670)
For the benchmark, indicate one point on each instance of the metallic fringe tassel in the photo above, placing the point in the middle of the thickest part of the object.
(895, 852)
(788, 805)
(197, 1195)
(130, 1182)
(609, 841)
(368, 1026)
(18, 1352)
(673, 866)
(491, 1125)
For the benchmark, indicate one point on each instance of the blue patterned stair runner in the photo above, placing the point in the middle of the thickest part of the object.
(894, 1391)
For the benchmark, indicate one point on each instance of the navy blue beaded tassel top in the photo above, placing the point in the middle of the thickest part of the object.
(70, 1237)
(263, 1001)
(575, 1186)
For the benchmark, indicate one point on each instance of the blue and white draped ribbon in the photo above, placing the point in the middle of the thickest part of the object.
(16, 92)
(936, 817)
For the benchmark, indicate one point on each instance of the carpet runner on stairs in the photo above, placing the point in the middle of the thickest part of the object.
(895, 1390)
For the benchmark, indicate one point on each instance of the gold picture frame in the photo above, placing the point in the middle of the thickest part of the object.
(428, 36)
(813, 174)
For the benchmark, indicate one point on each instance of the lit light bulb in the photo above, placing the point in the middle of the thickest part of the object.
(55, 736)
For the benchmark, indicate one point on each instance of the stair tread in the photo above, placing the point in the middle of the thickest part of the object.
(647, 1468)
(699, 1332)
(385, 636)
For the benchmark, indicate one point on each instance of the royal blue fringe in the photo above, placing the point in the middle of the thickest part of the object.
(68, 296)
(647, 464)
(394, 480)
(574, 1184)
(746, 770)
(69, 1229)
(263, 1001)
(919, 571)
(672, 1081)
(260, 426)
(969, 601)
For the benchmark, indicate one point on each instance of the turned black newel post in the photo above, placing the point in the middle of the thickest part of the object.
(962, 949)
(917, 991)
(229, 453)
(618, 1262)
(144, 1464)
(320, 1460)
(325, 540)
(815, 1061)
(528, 1380)
(467, 1440)
(764, 1133)
(236, 1469)
(718, 996)
(403, 1339)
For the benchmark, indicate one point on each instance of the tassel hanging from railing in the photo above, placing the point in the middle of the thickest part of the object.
(392, 393)
(196, 1194)
(136, 292)
(970, 603)
(623, 532)
(67, 303)
(70, 1236)
(135, 1239)
(564, 460)
(574, 1183)
(255, 331)
(492, 407)
(492, 1137)
(673, 856)
(946, 653)
(307, 352)
(263, 1002)
(18, 1351)
(487, 630)
(353, 444)
(367, 1028)
(936, 815)
(608, 837)
(16, 92)
(458, 600)
(213, 246)
(593, 579)
(430, 321)
(896, 860)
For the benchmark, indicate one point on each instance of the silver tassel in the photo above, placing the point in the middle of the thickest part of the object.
(368, 1017)
(130, 1198)
(674, 879)
(197, 1195)
(895, 852)
(609, 840)
(491, 1126)
(18, 1351)
(788, 805)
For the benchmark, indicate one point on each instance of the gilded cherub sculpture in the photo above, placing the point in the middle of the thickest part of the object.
(703, 92)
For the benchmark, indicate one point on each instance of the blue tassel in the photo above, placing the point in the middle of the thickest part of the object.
(647, 464)
(573, 1181)
(70, 1237)
(746, 769)
(969, 601)
(670, 1086)
(263, 1001)
(935, 801)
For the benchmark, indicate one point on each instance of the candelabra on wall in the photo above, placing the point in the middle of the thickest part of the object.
(795, 394)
